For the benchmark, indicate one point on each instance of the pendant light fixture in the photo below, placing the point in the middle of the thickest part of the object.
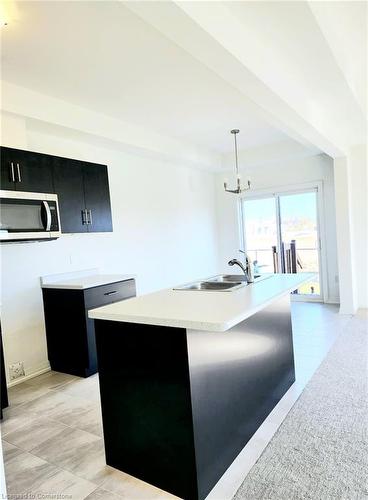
(238, 189)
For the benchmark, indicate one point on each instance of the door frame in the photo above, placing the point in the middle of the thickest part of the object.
(294, 189)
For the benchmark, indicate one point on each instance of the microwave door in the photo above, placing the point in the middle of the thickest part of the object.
(24, 219)
(28, 216)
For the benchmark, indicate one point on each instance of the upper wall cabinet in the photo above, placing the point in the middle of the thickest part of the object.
(26, 171)
(84, 198)
(82, 187)
(97, 197)
(68, 182)
(8, 168)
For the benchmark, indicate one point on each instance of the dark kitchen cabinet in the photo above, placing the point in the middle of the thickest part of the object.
(35, 173)
(4, 392)
(26, 171)
(7, 167)
(82, 187)
(97, 197)
(70, 334)
(84, 197)
(69, 186)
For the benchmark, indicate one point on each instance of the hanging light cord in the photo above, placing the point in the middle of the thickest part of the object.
(238, 189)
(236, 155)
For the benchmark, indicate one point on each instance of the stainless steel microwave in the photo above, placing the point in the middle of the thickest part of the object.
(28, 216)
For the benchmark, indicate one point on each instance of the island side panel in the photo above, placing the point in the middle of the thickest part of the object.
(237, 377)
(146, 404)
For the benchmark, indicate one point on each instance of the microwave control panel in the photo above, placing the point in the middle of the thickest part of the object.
(54, 216)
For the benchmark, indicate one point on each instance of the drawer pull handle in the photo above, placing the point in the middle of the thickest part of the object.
(111, 293)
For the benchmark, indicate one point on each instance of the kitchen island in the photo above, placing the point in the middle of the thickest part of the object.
(187, 377)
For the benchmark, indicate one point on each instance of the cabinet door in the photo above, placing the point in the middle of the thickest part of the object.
(34, 172)
(68, 183)
(65, 320)
(26, 171)
(97, 195)
(8, 169)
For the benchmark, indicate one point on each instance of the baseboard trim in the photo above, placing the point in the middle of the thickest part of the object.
(305, 298)
(332, 301)
(28, 377)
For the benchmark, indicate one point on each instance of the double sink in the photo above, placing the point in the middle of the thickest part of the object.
(221, 283)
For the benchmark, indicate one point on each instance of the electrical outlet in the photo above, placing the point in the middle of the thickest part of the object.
(16, 370)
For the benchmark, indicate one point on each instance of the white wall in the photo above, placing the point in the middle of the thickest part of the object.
(20, 101)
(345, 236)
(357, 161)
(281, 175)
(351, 192)
(164, 221)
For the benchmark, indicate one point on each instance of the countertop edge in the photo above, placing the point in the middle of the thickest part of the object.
(193, 325)
(71, 286)
(247, 315)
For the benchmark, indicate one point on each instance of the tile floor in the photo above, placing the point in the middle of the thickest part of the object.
(52, 431)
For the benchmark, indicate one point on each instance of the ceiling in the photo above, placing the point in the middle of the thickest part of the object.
(282, 72)
(102, 56)
(299, 62)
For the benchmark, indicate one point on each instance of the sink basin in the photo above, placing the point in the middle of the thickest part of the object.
(230, 278)
(223, 283)
(212, 286)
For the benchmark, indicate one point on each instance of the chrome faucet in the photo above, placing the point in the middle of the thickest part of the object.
(247, 269)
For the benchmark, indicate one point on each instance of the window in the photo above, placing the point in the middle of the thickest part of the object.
(281, 234)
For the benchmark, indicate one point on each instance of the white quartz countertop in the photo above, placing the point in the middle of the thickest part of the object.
(83, 282)
(201, 310)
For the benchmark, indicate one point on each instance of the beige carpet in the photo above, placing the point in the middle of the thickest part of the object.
(320, 451)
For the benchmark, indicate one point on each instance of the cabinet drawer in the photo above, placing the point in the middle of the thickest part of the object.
(107, 294)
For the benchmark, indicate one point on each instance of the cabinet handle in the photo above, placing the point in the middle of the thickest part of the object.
(84, 221)
(111, 293)
(12, 171)
(18, 172)
(89, 212)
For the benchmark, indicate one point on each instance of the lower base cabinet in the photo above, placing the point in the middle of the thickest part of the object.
(70, 334)
(4, 403)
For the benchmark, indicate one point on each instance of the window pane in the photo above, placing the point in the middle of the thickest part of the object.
(260, 232)
(299, 222)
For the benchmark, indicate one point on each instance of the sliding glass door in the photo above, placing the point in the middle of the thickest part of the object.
(261, 232)
(281, 234)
